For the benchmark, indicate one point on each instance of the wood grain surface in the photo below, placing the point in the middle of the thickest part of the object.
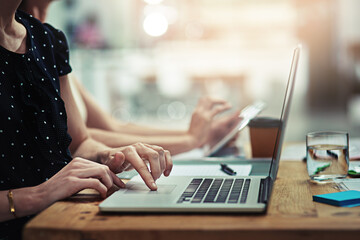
(291, 215)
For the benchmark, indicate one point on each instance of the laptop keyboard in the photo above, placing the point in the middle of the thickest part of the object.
(216, 190)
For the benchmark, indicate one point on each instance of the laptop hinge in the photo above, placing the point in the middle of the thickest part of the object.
(264, 190)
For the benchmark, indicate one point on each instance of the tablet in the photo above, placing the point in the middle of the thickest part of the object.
(248, 113)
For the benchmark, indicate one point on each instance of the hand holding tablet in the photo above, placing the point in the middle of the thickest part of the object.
(248, 113)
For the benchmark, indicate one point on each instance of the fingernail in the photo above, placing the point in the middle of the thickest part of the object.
(153, 185)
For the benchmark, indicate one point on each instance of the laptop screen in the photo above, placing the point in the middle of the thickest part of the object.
(284, 114)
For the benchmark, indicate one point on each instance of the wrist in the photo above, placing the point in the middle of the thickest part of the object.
(92, 150)
(28, 201)
(39, 197)
(192, 142)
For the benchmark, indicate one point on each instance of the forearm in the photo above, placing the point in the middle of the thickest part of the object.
(27, 201)
(90, 149)
(98, 118)
(175, 144)
(139, 130)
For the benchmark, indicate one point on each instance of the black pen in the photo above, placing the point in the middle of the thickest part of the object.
(227, 170)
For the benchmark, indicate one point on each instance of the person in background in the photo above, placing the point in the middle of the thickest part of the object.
(88, 34)
(204, 127)
(38, 116)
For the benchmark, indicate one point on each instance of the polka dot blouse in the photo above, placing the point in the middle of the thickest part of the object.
(33, 130)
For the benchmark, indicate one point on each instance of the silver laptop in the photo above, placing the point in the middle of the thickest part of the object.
(248, 194)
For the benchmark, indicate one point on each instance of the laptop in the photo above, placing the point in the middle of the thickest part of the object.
(247, 194)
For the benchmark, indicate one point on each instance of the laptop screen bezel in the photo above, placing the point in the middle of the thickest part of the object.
(274, 166)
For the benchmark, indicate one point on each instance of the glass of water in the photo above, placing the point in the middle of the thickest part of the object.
(327, 155)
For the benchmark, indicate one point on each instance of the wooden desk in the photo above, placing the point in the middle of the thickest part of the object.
(292, 215)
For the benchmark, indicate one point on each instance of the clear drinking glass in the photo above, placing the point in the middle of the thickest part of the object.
(327, 155)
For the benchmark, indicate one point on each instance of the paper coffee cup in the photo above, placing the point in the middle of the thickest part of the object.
(263, 133)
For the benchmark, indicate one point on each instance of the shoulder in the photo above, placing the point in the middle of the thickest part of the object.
(32, 24)
(56, 34)
(49, 43)
(35, 25)
(40, 34)
(40, 30)
(61, 49)
(58, 38)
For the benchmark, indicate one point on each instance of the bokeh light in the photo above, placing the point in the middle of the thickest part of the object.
(153, 1)
(155, 24)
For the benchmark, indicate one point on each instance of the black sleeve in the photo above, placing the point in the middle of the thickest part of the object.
(61, 50)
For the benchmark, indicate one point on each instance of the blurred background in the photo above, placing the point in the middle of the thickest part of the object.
(149, 61)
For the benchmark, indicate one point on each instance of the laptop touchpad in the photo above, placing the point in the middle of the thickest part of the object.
(140, 188)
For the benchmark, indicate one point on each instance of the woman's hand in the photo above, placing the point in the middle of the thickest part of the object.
(222, 126)
(136, 156)
(80, 174)
(203, 117)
